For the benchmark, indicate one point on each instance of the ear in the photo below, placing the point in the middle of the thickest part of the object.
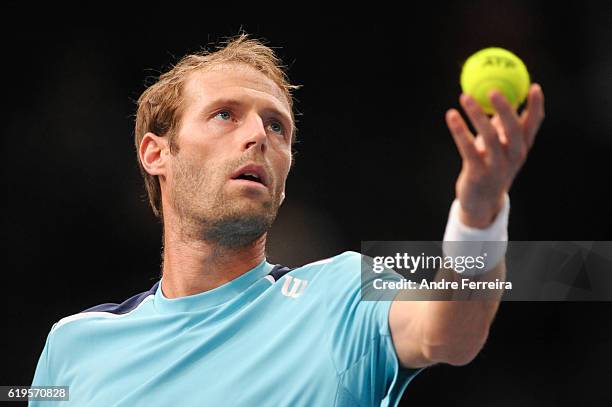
(153, 151)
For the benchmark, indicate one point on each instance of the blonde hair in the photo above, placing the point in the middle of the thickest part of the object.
(160, 107)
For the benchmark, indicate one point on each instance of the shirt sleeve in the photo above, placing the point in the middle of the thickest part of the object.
(42, 375)
(360, 340)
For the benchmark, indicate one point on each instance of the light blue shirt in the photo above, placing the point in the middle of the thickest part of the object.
(272, 337)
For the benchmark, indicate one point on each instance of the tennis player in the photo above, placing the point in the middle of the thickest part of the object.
(223, 326)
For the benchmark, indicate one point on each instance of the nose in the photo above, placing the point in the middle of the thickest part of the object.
(255, 134)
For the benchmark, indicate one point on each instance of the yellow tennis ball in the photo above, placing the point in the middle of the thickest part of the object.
(495, 68)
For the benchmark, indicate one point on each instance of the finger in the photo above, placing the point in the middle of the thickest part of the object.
(462, 136)
(513, 130)
(479, 143)
(532, 117)
(499, 128)
(482, 124)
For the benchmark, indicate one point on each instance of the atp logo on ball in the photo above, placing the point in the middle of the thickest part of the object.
(497, 60)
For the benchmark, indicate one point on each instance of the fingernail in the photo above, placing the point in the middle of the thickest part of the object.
(467, 100)
(495, 96)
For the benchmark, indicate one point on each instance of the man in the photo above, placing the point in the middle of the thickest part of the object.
(223, 326)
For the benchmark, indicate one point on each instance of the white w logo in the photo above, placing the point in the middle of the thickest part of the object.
(296, 290)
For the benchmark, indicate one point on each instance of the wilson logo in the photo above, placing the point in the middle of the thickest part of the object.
(293, 287)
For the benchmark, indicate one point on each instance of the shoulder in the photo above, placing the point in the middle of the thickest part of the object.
(345, 260)
(348, 264)
(107, 310)
(339, 266)
(343, 274)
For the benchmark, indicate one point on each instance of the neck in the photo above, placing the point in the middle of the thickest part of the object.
(192, 266)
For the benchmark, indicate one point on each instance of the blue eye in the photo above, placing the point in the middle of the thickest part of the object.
(225, 115)
(276, 127)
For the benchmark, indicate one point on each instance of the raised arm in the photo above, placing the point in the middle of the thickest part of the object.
(429, 332)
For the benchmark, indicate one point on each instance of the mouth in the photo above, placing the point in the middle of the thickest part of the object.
(252, 174)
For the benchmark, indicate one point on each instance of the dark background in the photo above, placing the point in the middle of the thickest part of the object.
(375, 162)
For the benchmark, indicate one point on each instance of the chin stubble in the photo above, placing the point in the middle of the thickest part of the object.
(234, 232)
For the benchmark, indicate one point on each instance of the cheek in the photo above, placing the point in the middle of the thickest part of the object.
(283, 166)
(197, 155)
(191, 173)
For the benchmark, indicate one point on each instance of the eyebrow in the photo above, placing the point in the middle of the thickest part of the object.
(224, 101)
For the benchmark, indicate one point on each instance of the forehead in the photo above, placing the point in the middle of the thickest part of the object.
(233, 80)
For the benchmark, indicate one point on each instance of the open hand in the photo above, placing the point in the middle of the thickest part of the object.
(493, 157)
